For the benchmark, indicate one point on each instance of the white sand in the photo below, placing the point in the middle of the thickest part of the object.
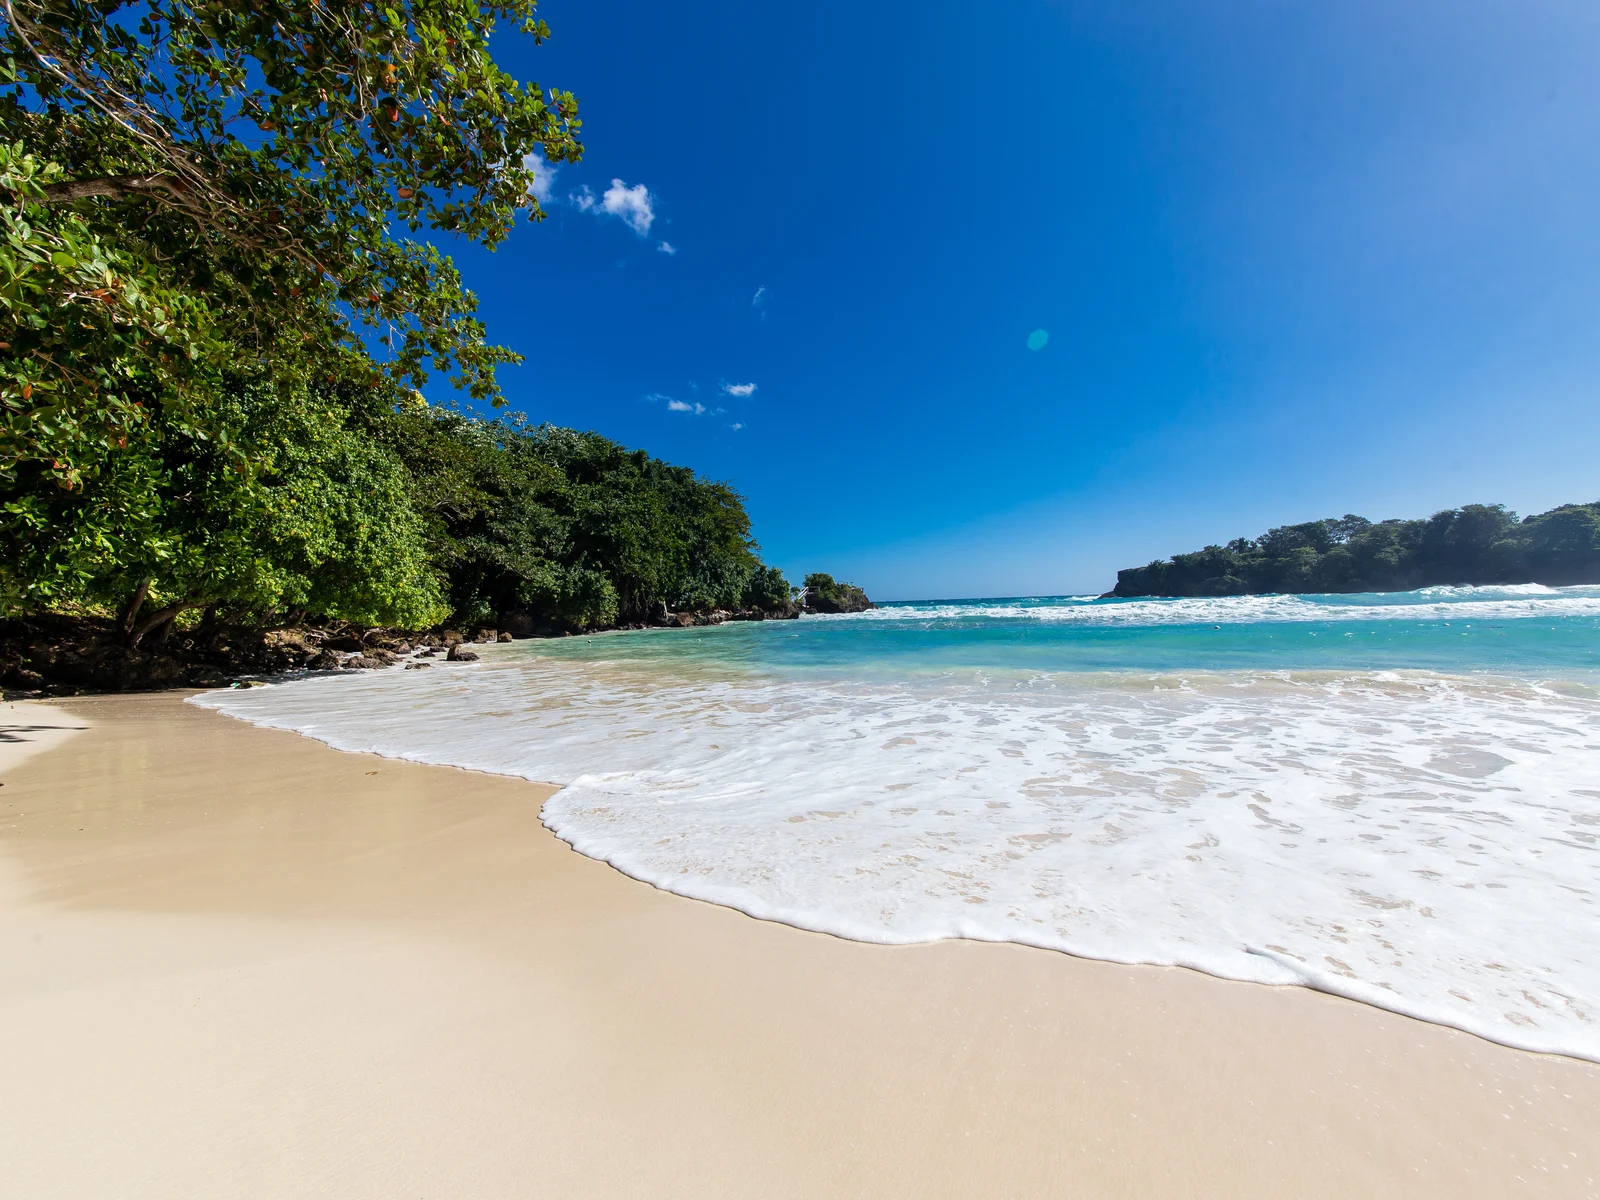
(234, 962)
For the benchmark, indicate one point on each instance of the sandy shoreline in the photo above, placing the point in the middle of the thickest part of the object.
(234, 962)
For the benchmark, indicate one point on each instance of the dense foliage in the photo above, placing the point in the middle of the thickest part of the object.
(1475, 544)
(570, 530)
(334, 499)
(213, 326)
(264, 155)
(824, 594)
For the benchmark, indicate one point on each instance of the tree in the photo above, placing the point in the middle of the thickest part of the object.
(294, 506)
(262, 154)
(824, 594)
(569, 530)
(203, 208)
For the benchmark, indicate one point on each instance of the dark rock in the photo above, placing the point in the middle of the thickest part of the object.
(362, 662)
(428, 653)
(345, 642)
(519, 622)
(326, 661)
(485, 635)
(449, 638)
(457, 654)
(109, 668)
(21, 678)
(380, 656)
(418, 666)
(505, 637)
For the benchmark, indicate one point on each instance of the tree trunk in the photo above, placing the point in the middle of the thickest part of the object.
(159, 617)
(131, 612)
(208, 624)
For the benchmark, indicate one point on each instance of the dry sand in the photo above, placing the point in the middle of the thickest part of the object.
(234, 962)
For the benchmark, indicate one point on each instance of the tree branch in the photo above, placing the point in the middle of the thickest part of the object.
(161, 616)
(114, 187)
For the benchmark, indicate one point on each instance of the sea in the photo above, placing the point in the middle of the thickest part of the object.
(1394, 798)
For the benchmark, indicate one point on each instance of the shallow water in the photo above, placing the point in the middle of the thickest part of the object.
(1391, 797)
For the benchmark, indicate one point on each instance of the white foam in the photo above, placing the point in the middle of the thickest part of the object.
(1502, 603)
(1422, 843)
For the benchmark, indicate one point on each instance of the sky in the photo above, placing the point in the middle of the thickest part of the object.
(992, 300)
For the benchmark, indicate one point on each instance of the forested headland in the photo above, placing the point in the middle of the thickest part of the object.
(1472, 545)
(823, 594)
(238, 375)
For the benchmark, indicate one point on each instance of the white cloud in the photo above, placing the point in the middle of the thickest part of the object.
(739, 389)
(737, 425)
(667, 248)
(633, 204)
(680, 406)
(760, 292)
(543, 186)
(583, 199)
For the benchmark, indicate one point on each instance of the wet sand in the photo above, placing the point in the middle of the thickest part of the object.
(234, 962)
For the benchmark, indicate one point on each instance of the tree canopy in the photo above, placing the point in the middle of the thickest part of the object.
(1474, 544)
(571, 530)
(220, 296)
(265, 155)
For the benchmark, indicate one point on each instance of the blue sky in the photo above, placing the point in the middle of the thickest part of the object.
(1293, 260)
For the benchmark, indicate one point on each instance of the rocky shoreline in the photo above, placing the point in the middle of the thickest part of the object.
(59, 655)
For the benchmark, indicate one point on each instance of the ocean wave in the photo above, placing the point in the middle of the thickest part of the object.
(1509, 603)
(1425, 843)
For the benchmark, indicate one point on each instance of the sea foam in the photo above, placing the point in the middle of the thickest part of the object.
(1458, 604)
(1422, 842)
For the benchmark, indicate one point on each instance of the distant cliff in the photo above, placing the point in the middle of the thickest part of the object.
(823, 595)
(1476, 544)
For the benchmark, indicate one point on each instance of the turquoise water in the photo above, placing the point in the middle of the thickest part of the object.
(1520, 632)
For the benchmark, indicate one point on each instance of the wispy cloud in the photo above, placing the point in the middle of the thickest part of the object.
(760, 292)
(739, 389)
(736, 426)
(683, 407)
(633, 204)
(667, 248)
(583, 199)
(543, 186)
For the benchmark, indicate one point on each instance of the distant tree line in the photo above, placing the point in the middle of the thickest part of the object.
(1474, 544)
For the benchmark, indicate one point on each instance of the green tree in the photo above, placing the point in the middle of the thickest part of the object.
(204, 206)
(264, 155)
(825, 594)
(293, 504)
(574, 531)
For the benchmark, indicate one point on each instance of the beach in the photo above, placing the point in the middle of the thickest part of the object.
(235, 962)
